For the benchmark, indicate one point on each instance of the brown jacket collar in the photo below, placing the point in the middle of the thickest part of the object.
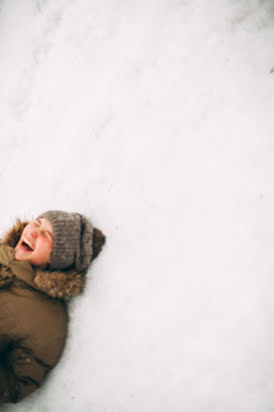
(55, 284)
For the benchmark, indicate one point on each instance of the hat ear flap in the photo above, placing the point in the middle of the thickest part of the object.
(85, 251)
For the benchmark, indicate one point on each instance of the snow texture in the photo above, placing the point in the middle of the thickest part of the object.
(155, 119)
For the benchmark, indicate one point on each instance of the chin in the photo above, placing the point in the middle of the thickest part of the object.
(21, 255)
(18, 255)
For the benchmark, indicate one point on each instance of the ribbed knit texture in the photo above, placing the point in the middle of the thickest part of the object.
(73, 240)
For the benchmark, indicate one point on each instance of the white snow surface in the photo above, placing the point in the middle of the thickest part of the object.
(155, 119)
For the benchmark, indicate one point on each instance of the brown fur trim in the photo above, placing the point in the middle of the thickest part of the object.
(13, 235)
(59, 284)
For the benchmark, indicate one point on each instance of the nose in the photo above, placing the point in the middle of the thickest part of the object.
(34, 233)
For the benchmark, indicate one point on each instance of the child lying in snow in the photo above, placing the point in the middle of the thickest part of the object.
(41, 264)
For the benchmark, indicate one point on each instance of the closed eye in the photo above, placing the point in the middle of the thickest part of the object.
(49, 235)
(38, 223)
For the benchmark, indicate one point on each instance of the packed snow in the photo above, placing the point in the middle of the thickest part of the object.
(154, 119)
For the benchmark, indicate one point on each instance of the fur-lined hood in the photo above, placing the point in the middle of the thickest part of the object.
(57, 284)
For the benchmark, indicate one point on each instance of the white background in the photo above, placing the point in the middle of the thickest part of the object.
(155, 119)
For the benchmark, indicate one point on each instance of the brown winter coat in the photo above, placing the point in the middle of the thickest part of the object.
(33, 320)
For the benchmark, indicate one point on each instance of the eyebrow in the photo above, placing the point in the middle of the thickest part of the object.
(39, 220)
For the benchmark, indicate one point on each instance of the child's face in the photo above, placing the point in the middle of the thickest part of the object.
(36, 243)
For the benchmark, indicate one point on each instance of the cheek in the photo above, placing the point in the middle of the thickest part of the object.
(43, 248)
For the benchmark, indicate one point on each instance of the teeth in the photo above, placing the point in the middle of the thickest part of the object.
(28, 243)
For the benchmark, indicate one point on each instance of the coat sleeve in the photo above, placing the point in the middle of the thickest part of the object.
(20, 374)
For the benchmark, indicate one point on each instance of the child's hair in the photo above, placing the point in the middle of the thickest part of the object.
(98, 242)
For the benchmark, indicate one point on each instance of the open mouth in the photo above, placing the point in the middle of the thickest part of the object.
(27, 247)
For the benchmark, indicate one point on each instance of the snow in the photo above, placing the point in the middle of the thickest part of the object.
(154, 119)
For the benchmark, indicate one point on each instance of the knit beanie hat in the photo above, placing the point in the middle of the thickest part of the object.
(73, 240)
